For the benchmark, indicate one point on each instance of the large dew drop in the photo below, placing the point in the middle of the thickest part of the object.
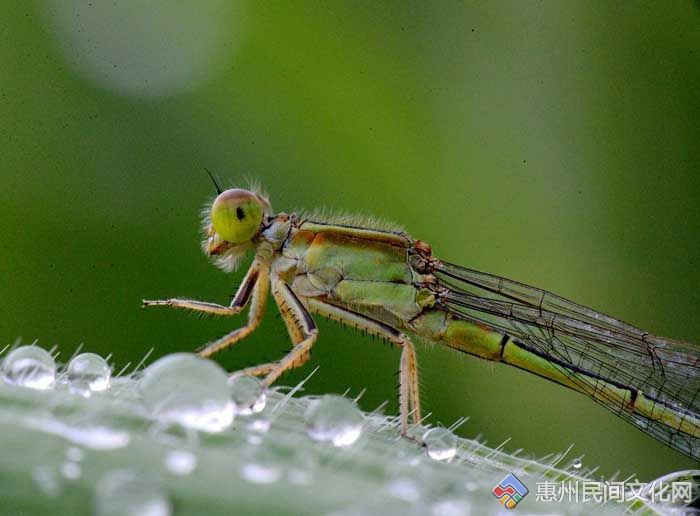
(247, 394)
(29, 366)
(185, 389)
(440, 443)
(88, 373)
(123, 493)
(334, 419)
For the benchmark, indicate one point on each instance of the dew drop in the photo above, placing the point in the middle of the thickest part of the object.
(450, 508)
(29, 366)
(47, 480)
(194, 392)
(303, 468)
(88, 373)
(248, 395)
(262, 467)
(440, 443)
(96, 437)
(123, 493)
(174, 435)
(74, 454)
(299, 477)
(404, 489)
(577, 464)
(70, 470)
(180, 462)
(334, 419)
(258, 425)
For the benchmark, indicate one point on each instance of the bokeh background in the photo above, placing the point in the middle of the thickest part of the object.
(555, 143)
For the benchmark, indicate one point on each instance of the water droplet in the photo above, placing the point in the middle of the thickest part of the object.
(194, 392)
(440, 443)
(29, 366)
(248, 395)
(450, 508)
(404, 489)
(259, 425)
(299, 477)
(174, 435)
(262, 467)
(96, 437)
(123, 493)
(577, 464)
(47, 480)
(88, 373)
(74, 454)
(303, 468)
(180, 462)
(334, 419)
(70, 470)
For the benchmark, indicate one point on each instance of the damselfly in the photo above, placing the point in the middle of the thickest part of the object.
(377, 278)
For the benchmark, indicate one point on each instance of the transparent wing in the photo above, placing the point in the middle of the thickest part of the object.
(665, 371)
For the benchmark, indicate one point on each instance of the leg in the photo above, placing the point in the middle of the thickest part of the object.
(302, 330)
(409, 400)
(263, 369)
(237, 303)
(255, 315)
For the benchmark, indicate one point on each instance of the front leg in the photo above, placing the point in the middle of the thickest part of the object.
(302, 330)
(255, 314)
(238, 302)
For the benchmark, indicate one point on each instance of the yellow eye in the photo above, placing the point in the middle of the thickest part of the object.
(236, 215)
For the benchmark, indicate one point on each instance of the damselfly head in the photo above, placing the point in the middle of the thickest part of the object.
(235, 218)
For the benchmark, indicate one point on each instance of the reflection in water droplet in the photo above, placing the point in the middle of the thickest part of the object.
(47, 480)
(299, 477)
(404, 489)
(194, 392)
(262, 467)
(334, 419)
(88, 373)
(123, 493)
(29, 366)
(74, 454)
(440, 443)
(577, 464)
(259, 425)
(180, 462)
(96, 437)
(450, 508)
(303, 468)
(248, 394)
(174, 434)
(70, 470)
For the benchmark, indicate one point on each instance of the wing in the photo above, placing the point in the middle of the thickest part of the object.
(667, 372)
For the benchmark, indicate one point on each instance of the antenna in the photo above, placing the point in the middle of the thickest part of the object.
(213, 180)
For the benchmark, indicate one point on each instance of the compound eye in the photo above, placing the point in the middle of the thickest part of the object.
(236, 215)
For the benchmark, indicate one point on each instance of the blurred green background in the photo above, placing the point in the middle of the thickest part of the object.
(555, 143)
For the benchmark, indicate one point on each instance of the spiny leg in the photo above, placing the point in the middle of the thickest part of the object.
(409, 399)
(302, 330)
(238, 302)
(255, 314)
(263, 369)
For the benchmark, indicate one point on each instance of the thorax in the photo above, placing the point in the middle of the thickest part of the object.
(365, 270)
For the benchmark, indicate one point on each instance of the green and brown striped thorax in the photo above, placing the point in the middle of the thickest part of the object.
(369, 271)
